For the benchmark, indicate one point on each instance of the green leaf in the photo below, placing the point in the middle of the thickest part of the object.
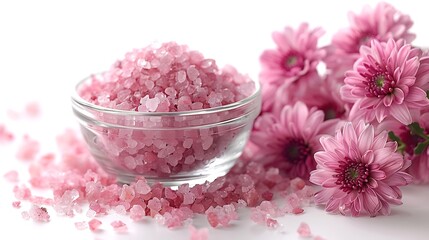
(417, 130)
(420, 147)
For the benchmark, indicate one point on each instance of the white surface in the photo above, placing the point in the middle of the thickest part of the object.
(46, 47)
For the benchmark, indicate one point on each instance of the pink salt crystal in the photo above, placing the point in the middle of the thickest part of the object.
(127, 193)
(119, 226)
(297, 184)
(304, 230)
(137, 212)
(25, 215)
(152, 104)
(94, 224)
(120, 209)
(12, 176)
(221, 216)
(207, 142)
(192, 73)
(188, 198)
(81, 225)
(181, 76)
(22, 192)
(28, 149)
(142, 187)
(32, 109)
(154, 205)
(198, 234)
(272, 223)
(188, 143)
(39, 214)
(169, 193)
(16, 204)
(5, 135)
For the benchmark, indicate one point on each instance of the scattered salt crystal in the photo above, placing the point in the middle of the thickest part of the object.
(32, 109)
(119, 226)
(39, 214)
(137, 212)
(272, 223)
(16, 204)
(5, 135)
(142, 187)
(304, 230)
(22, 192)
(28, 149)
(25, 215)
(12, 176)
(81, 225)
(94, 224)
(127, 193)
(198, 234)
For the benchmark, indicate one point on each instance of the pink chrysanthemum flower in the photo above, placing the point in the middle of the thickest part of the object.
(289, 140)
(296, 55)
(360, 172)
(408, 141)
(382, 23)
(383, 82)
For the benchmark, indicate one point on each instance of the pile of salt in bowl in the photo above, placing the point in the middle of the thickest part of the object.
(167, 78)
(162, 79)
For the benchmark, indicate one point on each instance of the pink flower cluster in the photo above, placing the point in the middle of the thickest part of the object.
(357, 128)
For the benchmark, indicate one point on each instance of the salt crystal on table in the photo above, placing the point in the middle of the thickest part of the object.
(39, 214)
(28, 149)
(137, 212)
(32, 109)
(81, 225)
(12, 176)
(94, 224)
(5, 135)
(16, 204)
(304, 230)
(119, 226)
(198, 234)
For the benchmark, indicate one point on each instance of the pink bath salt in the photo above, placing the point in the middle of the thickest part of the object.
(154, 205)
(22, 192)
(5, 135)
(142, 187)
(193, 79)
(16, 204)
(221, 216)
(81, 225)
(32, 109)
(12, 176)
(304, 230)
(28, 149)
(127, 193)
(39, 214)
(94, 224)
(137, 212)
(25, 215)
(119, 226)
(272, 223)
(198, 234)
(297, 184)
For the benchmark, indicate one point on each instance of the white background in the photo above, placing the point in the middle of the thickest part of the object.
(46, 47)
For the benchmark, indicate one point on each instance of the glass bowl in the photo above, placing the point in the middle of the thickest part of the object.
(171, 148)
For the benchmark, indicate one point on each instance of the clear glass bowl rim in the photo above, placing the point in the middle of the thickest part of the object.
(76, 99)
